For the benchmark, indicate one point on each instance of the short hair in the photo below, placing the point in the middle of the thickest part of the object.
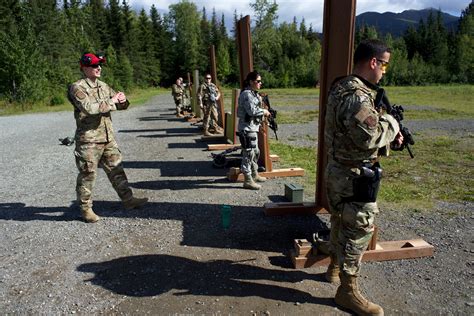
(369, 49)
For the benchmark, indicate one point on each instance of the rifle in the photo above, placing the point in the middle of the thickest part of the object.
(225, 159)
(272, 123)
(382, 102)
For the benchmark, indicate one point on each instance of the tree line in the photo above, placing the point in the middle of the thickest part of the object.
(41, 42)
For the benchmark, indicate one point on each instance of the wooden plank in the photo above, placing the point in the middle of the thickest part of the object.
(373, 240)
(384, 251)
(212, 147)
(290, 208)
(301, 262)
(302, 247)
(274, 158)
(276, 173)
(212, 137)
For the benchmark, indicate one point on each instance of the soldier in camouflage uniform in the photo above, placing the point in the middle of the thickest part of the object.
(208, 96)
(93, 101)
(177, 91)
(354, 132)
(250, 113)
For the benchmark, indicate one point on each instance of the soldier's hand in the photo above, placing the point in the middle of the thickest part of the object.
(398, 140)
(104, 107)
(266, 113)
(119, 98)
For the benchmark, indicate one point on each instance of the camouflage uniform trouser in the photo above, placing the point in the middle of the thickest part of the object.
(210, 111)
(352, 223)
(179, 104)
(106, 155)
(250, 155)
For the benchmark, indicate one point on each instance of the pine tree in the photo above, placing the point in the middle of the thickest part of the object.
(186, 32)
(465, 45)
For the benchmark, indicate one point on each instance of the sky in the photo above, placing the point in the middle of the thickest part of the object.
(310, 10)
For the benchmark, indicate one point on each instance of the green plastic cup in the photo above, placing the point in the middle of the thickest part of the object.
(226, 211)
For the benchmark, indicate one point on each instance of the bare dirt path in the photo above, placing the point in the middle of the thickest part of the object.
(173, 256)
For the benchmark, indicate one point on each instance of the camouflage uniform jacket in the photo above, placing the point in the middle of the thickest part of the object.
(249, 111)
(177, 91)
(92, 126)
(208, 93)
(354, 130)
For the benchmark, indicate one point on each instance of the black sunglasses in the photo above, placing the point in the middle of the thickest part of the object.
(95, 66)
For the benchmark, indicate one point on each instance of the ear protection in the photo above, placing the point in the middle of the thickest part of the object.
(101, 57)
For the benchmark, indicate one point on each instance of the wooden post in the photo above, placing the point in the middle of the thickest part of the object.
(231, 125)
(336, 61)
(244, 43)
(196, 108)
(220, 102)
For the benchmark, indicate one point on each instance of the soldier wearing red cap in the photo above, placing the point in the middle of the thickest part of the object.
(93, 101)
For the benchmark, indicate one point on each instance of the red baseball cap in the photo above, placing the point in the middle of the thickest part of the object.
(89, 59)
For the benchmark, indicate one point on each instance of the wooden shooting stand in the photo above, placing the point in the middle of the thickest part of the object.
(336, 61)
(305, 256)
(246, 65)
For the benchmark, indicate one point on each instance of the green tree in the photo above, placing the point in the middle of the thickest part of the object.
(22, 66)
(186, 32)
(146, 66)
(266, 42)
(464, 53)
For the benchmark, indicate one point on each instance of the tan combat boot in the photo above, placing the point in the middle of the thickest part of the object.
(349, 297)
(249, 183)
(332, 273)
(134, 203)
(89, 216)
(218, 129)
(257, 177)
(206, 132)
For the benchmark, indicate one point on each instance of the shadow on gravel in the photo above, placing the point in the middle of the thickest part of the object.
(151, 275)
(196, 144)
(183, 168)
(21, 212)
(177, 185)
(249, 229)
(171, 131)
(169, 118)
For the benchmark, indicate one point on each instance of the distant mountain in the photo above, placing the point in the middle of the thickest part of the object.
(397, 23)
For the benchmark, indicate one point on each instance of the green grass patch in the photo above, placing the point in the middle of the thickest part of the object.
(297, 157)
(448, 101)
(294, 117)
(442, 170)
(434, 114)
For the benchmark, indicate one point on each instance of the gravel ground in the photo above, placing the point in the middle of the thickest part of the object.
(173, 256)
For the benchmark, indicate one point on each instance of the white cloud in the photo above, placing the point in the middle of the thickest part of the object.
(310, 10)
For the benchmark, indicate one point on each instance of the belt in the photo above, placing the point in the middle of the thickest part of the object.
(356, 163)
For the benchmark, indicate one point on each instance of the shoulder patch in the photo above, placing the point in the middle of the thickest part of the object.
(80, 95)
(362, 115)
(367, 117)
(371, 121)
